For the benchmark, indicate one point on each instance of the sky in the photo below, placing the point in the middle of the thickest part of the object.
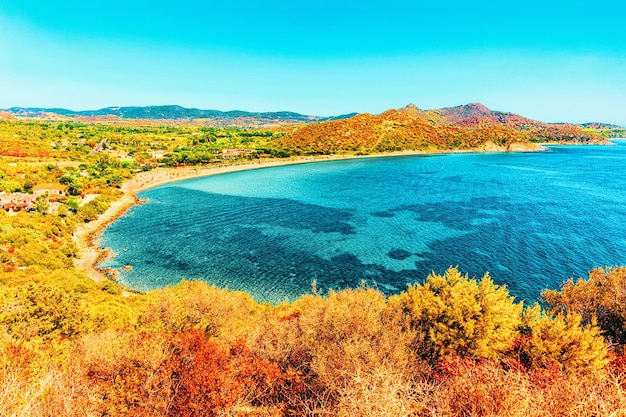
(551, 61)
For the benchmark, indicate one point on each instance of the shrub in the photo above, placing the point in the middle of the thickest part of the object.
(344, 354)
(90, 211)
(171, 374)
(561, 341)
(40, 311)
(197, 305)
(601, 298)
(212, 378)
(459, 315)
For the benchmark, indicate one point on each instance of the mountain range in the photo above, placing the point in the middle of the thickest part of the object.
(173, 112)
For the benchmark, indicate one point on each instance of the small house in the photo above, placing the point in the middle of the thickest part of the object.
(54, 190)
(226, 153)
(16, 201)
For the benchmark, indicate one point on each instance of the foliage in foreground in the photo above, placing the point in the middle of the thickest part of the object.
(449, 346)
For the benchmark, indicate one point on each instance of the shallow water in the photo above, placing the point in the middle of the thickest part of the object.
(531, 219)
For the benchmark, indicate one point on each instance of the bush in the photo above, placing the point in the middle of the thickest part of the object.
(601, 299)
(197, 305)
(455, 314)
(171, 374)
(90, 211)
(562, 341)
(39, 311)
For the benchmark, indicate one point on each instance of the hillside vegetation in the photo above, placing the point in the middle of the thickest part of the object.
(449, 345)
(472, 127)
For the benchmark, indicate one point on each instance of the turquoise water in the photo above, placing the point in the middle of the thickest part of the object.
(531, 219)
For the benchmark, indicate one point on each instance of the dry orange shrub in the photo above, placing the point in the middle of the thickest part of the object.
(342, 351)
(226, 314)
(211, 378)
(201, 351)
(160, 374)
(473, 388)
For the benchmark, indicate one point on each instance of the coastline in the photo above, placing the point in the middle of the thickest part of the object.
(86, 236)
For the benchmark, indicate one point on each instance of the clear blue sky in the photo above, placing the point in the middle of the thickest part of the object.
(552, 61)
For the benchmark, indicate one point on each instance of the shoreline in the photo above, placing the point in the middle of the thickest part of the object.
(86, 236)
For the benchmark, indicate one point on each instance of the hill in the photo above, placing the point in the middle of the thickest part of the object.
(173, 112)
(467, 127)
(476, 115)
(606, 130)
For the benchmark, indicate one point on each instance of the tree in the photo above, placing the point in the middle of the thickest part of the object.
(41, 203)
(62, 211)
(28, 185)
(73, 204)
(73, 185)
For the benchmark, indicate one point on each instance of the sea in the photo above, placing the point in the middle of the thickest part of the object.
(530, 220)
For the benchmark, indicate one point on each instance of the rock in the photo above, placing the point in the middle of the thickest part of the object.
(525, 147)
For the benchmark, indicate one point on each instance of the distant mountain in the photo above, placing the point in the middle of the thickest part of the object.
(175, 113)
(468, 127)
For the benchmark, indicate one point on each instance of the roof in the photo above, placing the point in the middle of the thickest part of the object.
(50, 186)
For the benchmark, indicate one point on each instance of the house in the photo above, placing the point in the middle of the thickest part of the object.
(236, 152)
(16, 201)
(53, 190)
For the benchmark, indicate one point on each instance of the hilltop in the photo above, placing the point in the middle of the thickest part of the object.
(467, 127)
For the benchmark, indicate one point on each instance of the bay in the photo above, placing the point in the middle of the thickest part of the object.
(532, 220)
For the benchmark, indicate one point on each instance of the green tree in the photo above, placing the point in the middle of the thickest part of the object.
(41, 203)
(62, 211)
(28, 185)
(72, 203)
